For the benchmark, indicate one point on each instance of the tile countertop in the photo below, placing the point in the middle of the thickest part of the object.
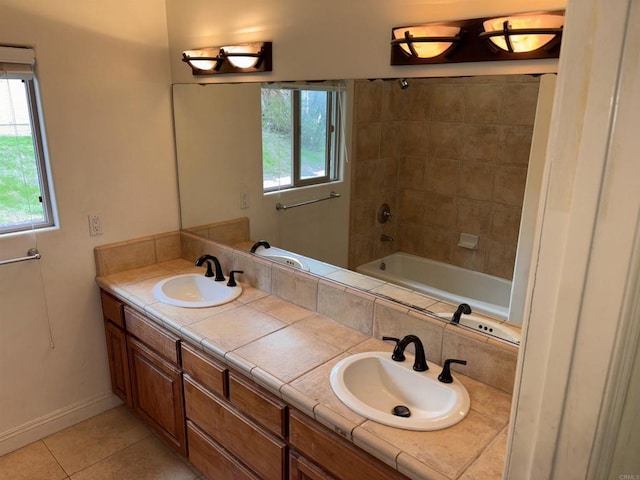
(290, 351)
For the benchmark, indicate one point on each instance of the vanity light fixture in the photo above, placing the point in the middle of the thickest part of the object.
(426, 41)
(523, 33)
(527, 36)
(243, 58)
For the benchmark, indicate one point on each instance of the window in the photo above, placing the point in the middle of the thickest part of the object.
(25, 201)
(301, 135)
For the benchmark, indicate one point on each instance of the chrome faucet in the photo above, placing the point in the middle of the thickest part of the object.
(462, 308)
(386, 238)
(210, 258)
(261, 243)
(420, 363)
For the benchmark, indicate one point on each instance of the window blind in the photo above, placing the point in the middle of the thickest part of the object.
(16, 62)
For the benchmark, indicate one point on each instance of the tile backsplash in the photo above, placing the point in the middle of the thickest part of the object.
(490, 361)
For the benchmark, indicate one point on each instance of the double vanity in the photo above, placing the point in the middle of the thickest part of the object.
(262, 383)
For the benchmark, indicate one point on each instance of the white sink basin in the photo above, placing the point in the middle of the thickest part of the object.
(193, 290)
(487, 326)
(372, 385)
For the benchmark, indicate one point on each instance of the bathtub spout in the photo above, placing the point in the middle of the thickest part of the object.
(386, 238)
(462, 308)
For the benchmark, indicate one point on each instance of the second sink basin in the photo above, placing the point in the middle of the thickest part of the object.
(484, 325)
(286, 260)
(375, 386)
(194, 291)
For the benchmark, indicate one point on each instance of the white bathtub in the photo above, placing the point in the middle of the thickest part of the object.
(485, 293)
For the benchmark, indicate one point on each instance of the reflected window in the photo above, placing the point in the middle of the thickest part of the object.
(301, 135)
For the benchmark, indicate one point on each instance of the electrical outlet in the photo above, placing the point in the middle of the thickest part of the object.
(95, 225)
(244, 200)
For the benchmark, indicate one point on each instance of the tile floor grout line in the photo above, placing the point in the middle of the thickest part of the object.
(112, 454)
(47, 453)
(54, 457)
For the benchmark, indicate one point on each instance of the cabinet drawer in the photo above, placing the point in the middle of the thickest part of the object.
(206, 371)
(264, 454)
(337, 456)
(211, 459)
(161, 341)
(112, 309)
(259, 404)
(302, 469)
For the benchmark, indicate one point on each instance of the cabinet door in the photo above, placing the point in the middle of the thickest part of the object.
(302, 469)
(156, 387)
(118, 362)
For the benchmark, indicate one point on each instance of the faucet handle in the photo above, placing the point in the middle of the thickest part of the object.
(445, 375)
(232, 279)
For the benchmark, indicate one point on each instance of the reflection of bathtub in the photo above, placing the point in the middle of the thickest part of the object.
(485, 293)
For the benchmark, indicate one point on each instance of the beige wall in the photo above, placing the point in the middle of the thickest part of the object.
(330, 39)
(105, 87)
(449, 156)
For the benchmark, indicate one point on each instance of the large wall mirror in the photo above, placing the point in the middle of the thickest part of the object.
(448, 156)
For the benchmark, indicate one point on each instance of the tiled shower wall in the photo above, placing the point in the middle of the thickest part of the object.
(449, 156)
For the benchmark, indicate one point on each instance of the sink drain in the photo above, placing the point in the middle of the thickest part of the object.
(401, 411)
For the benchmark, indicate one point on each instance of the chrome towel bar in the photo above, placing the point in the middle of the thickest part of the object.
(32, 254)
(280, 206)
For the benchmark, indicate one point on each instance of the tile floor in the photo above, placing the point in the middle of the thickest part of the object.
(112, 445)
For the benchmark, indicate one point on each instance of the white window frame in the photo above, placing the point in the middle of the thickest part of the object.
(18, 63)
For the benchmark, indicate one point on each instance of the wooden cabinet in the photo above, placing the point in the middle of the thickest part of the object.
(232, 420)
(112, 309)
(204, 370)
(223, 422)
(340, 458)
(302, 469)
(116, 339)
(212, 459)
(118, 362)
(156, 378)
(156, 338)
(156, 386)
(259, 405)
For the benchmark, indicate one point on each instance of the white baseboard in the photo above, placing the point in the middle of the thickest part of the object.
(55, 421)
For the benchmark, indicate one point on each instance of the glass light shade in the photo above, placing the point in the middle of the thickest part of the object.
(525, 42)
(426, 49)
(240, 61)
(205, 64)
